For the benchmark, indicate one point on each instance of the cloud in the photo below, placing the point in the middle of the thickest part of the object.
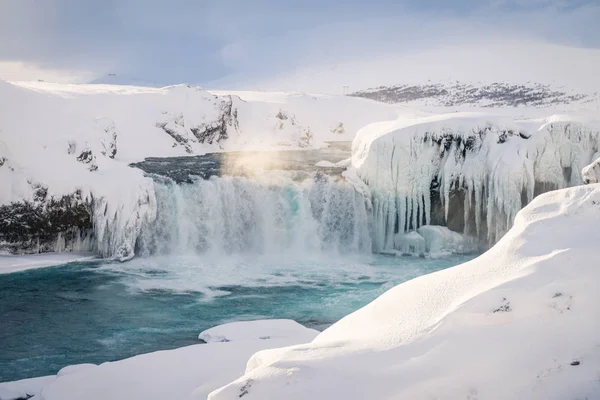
(206, 41)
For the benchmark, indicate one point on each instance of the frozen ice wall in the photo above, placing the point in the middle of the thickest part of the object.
(469, 172)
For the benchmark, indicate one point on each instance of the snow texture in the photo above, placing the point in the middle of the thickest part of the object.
(186, 373)
(518, 322)
(471, 172)
(24, 388)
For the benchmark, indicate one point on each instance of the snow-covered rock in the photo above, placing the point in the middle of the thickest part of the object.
(258, 330)
(441, 240)
(518, 322)
(468, 171)
(410, 243)
(591, 173)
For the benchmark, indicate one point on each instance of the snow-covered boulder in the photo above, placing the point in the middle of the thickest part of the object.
(258, 330)
(518, 322)
(441, 240)
(591, 173)
(410, 243)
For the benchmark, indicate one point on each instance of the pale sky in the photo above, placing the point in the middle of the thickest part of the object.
(224, 43)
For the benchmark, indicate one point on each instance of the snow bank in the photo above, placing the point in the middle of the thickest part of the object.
(591, 173)
(185, 373)
(24, 388)
(258, 330)
(471, 172)
(10, 263)
(519, 322)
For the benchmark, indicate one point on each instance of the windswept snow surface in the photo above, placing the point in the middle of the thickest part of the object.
(186, 373)
(519, 322)
(472, 172)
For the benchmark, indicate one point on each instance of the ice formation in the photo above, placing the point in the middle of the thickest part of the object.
(470, 172)
(274, 214)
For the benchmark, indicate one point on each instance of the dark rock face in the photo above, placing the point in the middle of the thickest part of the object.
(218, 130)
(87, 157)
(45, 223)
(172, 130)
(497, 94)
(211, 132)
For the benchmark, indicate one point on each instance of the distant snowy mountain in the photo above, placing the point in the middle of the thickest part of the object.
(124, 79)
(496, 94)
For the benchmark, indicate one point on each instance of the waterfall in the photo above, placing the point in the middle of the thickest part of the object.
(271, 214)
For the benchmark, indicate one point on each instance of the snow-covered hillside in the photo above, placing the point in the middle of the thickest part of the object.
(65, 150)
(519, 322)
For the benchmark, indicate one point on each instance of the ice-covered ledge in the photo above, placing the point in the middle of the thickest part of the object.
(471, 172)
(519, 322)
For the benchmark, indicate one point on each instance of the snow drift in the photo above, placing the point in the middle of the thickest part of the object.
(519, 322)
(470, 172)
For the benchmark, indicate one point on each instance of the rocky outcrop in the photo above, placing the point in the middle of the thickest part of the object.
(177, 130)
(498, 94)
(109, 139)
(212, 132)
(591, 173)
(217, 131)
(46, 224)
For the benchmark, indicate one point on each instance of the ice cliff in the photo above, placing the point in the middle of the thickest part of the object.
(470, 172)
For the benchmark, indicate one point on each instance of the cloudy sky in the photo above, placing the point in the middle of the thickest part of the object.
(220, 42)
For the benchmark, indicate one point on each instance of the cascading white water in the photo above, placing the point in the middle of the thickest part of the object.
(271, 214)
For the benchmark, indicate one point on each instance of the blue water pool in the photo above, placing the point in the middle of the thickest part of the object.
(98, 311)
